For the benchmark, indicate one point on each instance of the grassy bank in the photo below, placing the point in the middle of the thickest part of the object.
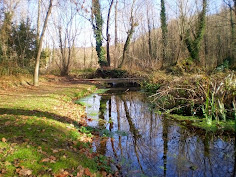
(197, 123)
(200, 100)
(38, 134)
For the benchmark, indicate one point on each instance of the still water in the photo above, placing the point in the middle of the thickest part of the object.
(147, 144)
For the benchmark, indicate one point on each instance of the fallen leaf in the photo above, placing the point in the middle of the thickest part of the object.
(25, 172)
(62, 174)
(87, 172)
(104, 173)
(7, 123)
(55, 151)
(4, 140)
(2, 171)
(45, 160)
(52, 158)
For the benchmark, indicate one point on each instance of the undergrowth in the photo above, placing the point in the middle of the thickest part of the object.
(209, 97)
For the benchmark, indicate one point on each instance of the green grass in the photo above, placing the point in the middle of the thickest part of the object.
(202, 123)
(40, 135)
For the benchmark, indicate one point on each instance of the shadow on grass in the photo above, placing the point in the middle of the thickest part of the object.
(37, 113)
(32, 139)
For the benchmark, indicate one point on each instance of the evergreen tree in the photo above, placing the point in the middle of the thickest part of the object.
(193, 42)
(24, 43)
(164, 31)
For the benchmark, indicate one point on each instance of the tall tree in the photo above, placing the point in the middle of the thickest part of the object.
(97, 23)
(129, 34)
(149, 33)
(116, 33)
(5, 32)
(193, 41)
(40, 45)
(38, 20)
(164, 31)
(108, 35)
(232, 8)
(24, 43)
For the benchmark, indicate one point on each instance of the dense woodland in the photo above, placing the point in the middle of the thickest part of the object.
(136, 34)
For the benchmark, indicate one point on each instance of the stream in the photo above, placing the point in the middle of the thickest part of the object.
(144, 143)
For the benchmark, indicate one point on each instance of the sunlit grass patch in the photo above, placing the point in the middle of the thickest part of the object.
(40, 144)
(38, 137)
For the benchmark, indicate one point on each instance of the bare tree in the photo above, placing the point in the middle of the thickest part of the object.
(38, 20)
(67, 36)
(36, 71)
(107, 33)
(129, 34)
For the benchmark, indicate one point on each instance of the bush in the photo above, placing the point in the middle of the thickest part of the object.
(111, 73)
(150, 87)
(8, 71)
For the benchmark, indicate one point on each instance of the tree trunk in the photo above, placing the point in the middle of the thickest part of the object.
(116, 35)
(193, 45)
(38, 20)
(36, 71)
(108, 35)
(149, 35)
(233, 64)
(129, 36)
(97, 28)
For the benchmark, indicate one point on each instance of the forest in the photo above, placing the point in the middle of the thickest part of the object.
(117, 88)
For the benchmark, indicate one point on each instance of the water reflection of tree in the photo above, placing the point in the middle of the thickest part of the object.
(234, 172)
(134, 131)
(144, 144)
(101, 147)
(182, 150)
(117, 103)
(165, 143)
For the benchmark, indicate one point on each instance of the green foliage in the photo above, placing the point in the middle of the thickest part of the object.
(224, 66)
(194, 45)
(164, 28)
(17, 47)
(97, 28)
(103, 163)
(209, 107)
(150, 87)
(45, 54)
(24, 43)
(216, 99)
(7, 70)
(110, 73)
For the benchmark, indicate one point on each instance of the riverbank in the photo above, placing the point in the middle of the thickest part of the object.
(39, 134)
(145, 143)
(199, 100)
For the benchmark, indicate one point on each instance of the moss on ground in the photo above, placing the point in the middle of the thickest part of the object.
(38, 135)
